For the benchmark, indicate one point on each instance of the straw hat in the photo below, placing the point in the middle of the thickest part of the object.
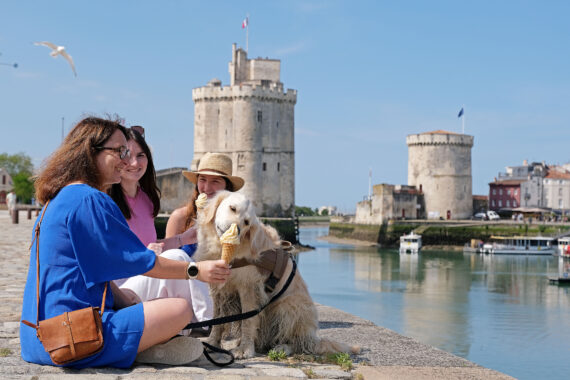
(215, 164)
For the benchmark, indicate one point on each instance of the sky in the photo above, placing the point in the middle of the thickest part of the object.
(368, 73)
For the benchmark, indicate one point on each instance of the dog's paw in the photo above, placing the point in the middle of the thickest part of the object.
(213, 341)
(244, 351)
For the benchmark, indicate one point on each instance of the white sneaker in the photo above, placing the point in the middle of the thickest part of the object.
(177, 351)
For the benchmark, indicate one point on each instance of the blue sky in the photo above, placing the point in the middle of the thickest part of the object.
(368, 73)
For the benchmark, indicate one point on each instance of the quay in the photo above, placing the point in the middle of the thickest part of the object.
(385, 354)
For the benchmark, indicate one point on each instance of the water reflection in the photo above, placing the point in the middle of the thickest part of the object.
(498, 311)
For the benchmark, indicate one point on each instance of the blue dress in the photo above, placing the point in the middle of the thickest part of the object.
(85, 242)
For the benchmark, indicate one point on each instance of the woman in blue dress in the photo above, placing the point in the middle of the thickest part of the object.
(85, 242)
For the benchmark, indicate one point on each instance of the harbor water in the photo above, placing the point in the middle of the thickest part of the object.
(497, 311)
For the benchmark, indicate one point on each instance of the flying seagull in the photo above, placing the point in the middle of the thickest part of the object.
(58, 50)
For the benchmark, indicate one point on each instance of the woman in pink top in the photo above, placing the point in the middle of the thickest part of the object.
(138, 197)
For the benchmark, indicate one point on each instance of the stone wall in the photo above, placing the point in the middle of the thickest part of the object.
(174, 187)
(387, 203)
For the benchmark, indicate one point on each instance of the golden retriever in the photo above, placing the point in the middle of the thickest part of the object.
(291, 322)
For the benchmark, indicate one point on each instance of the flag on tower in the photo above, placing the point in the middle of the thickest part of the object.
(460, 112)
(244, 23)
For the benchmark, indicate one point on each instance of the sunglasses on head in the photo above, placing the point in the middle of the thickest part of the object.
(139, 129)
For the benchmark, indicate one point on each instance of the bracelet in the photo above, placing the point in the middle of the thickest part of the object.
(179, 241)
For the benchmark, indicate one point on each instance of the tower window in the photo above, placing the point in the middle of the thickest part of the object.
(264, 166)
(277, 124)
(259, 116)
(278, 166)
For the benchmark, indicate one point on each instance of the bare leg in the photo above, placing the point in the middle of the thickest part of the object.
(163, 318)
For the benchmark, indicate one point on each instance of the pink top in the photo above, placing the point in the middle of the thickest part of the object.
(142, 221)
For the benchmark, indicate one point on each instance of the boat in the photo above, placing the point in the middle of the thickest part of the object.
(476, 246)
(520, 245)
(564, 246)
(410, 243)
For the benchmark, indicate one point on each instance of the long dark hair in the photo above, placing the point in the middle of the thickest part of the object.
(147, 181)
(74, 160)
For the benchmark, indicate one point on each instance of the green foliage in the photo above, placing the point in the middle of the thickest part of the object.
(4, 352)
(23, 187)
(16, 163)
(275, 355)
(342, 359)
(160, 226)
(325, 212)
(304, 211)
(20, 168)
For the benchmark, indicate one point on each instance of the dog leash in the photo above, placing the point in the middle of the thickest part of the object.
(249, 314)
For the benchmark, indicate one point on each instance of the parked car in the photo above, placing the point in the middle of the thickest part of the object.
(486, 215)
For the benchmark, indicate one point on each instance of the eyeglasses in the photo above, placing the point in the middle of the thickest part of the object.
(122, 150)
(139, 129)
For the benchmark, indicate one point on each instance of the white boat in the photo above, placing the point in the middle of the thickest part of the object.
(520, 245)
(410, 243)
(564, 246)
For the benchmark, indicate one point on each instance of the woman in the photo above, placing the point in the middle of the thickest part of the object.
(214, 174)
(138, 196)
(86, 242)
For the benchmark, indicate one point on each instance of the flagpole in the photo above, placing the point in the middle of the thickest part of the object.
(370, 184)
(247, 35)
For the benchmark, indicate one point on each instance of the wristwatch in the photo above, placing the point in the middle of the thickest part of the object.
(192, 271)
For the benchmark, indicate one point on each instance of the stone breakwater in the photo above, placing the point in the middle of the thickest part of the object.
(385, 354)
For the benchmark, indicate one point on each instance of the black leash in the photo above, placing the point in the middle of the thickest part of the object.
(246, 315)
(233, 318)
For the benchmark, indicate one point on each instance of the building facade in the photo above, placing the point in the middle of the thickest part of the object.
(6, 185)
(557, 189)
(388, 202)
(519, 186)
(439, 166)
(252, 121)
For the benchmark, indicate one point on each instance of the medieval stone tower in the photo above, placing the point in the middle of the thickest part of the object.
(439, 165)
(252, 121)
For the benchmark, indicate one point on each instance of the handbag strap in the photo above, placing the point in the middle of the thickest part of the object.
(37, 238)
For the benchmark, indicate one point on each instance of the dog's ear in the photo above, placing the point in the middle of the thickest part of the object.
(262, 237)
(212, 206)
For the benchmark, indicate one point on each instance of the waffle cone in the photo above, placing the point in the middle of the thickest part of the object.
(228, 252)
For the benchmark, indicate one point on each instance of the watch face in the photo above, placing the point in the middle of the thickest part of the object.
(193, 270)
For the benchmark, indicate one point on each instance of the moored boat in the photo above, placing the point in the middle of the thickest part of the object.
(564, 246)
(520, 245)
(410, 243)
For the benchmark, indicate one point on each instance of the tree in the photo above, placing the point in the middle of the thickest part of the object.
(303, 211)
(20, 168)
(16, 163)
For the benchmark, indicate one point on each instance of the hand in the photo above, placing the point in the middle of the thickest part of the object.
(156, 247)
(190, 236)
(213, 271)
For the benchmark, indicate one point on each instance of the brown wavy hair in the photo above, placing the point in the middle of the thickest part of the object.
(147, 181)
(75, 160)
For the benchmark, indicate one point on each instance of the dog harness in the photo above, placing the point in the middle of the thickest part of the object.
(273, 260)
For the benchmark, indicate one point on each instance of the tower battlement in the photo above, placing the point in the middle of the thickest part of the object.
(244, 92)
(442, 138)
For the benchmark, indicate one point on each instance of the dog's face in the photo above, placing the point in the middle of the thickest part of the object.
(227, 208)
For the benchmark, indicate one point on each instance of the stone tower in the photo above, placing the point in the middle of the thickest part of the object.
(252, 121)
(439, 165)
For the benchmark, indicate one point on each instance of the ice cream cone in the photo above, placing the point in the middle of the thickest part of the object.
(228, 252)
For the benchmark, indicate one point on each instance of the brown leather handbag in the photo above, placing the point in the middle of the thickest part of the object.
(70, 336)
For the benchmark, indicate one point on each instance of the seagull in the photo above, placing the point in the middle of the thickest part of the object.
(58, 50)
